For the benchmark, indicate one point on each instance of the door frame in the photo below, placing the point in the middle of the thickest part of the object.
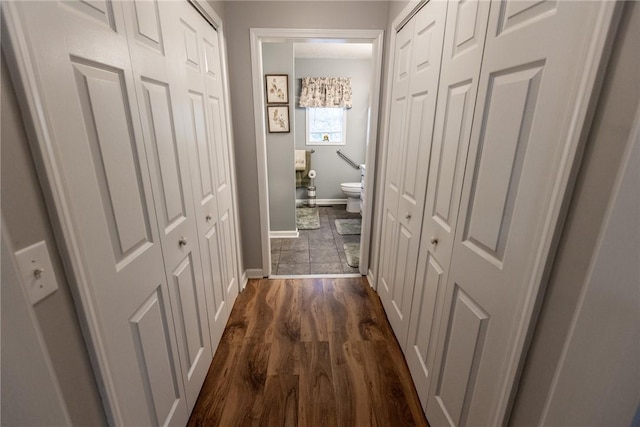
(261, 35)
(587, 94)
(48, 168)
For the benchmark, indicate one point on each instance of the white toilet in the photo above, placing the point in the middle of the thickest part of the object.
(352, 191)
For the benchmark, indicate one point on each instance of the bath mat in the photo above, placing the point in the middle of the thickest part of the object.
(307, 218)
(352, 252)
(348, 226)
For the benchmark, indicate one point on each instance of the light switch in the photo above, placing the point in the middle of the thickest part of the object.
(37, 271)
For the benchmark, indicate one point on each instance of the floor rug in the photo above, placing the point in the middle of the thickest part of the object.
(348, 226)
(352, 252)
(307, 218)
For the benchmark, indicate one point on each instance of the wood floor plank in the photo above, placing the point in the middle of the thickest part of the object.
(310, 353)
(245, 400)
(285, 349)
(317, 397)
(313, 318)
(260, 313)
(280, 401)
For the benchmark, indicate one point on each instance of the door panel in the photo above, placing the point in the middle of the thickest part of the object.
(463, 346)
(150, 329)
(534, 58)
(415, 88)
(82, 61)
(462, 56)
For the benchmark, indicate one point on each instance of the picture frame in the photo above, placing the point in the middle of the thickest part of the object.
(277, 87)
(278, 118)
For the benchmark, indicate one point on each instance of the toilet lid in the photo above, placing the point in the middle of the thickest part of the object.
(351, 185)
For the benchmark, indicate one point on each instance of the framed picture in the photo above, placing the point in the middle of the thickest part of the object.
(278, 118)
(277, 86)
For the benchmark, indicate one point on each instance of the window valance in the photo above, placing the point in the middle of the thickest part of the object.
(326, 92)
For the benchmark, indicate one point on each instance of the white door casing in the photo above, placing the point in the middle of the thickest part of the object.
(538, 70)
(461, 59)
(415, 87)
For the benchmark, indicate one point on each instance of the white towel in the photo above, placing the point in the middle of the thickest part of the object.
(301, 161)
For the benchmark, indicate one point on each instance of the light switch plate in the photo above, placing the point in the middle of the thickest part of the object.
(37, 271)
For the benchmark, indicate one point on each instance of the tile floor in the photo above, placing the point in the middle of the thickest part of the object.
(315, 251)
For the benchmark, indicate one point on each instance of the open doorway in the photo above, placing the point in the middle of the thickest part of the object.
(315, 219)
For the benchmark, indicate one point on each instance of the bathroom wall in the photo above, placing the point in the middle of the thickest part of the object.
(331, 169)
(277, 58)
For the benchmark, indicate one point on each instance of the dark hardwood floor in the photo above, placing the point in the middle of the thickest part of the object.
(308, 352)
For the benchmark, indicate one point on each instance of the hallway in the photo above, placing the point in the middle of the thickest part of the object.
(308, 352)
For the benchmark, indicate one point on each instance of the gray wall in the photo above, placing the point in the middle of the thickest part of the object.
(277, 58)
(331, 169)
(605, 147)
(27, 221)
(241, 16)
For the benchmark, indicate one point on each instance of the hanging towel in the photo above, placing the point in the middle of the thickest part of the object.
(302, 177)
(301, 161)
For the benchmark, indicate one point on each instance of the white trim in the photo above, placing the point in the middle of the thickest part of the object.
(255, 273)
(243, 280)
(50, 177)
(371, 278)
(324, 202)
(261, 35)
(214, 19)
(286, 234)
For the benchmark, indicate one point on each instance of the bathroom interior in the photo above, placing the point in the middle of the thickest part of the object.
(316, 165)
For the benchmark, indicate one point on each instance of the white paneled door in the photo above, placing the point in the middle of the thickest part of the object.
(140, 157)
(81, 57)
(462, 55)
(534, 59)
(196, 49)
(414, 92)
(149, 26)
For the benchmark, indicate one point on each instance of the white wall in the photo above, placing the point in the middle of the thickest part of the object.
(331, 169)
(241, 16)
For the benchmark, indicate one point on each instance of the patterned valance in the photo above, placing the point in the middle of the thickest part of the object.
(326, 92)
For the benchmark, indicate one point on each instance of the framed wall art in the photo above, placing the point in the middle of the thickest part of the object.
(278, 118)
(277, 86)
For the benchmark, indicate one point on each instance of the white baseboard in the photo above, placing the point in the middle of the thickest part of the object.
(254, 273)
(372, 280)
(287, 234)
(243, 280)
(324, 202)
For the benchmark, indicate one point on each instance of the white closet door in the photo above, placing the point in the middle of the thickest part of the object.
(196, 50)
(462, 56)
(534, 58)
(83, 70)
(415, 87)
(163, 125)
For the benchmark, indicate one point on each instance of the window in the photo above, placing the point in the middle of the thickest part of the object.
(326, 126)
